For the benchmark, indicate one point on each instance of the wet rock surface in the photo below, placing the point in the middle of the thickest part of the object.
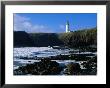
(49, 67)
(44, 67)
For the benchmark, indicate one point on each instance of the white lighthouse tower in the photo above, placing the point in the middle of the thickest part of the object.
(67, 27)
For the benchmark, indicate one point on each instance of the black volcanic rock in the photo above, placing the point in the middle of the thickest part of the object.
(22, 39)
(44, 67)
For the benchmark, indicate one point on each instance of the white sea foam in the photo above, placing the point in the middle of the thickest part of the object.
(38, 51)
(32, 52)
(28, 51)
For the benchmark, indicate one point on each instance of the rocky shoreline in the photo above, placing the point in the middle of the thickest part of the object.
(47, 66)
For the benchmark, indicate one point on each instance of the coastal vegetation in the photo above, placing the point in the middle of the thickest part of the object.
(81, 38)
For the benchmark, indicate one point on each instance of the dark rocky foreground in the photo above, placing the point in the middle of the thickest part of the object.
(49, 67)
(44, 67)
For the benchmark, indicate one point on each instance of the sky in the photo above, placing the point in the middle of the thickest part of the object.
(53, 22)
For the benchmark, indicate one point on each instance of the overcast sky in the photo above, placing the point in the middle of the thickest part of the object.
(53, 22)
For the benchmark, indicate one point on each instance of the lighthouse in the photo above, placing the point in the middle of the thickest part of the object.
(67, 27)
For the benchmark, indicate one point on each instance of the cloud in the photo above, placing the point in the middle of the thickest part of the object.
(62, 28)
(24, 24)
(40, 28)
(18, 22)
